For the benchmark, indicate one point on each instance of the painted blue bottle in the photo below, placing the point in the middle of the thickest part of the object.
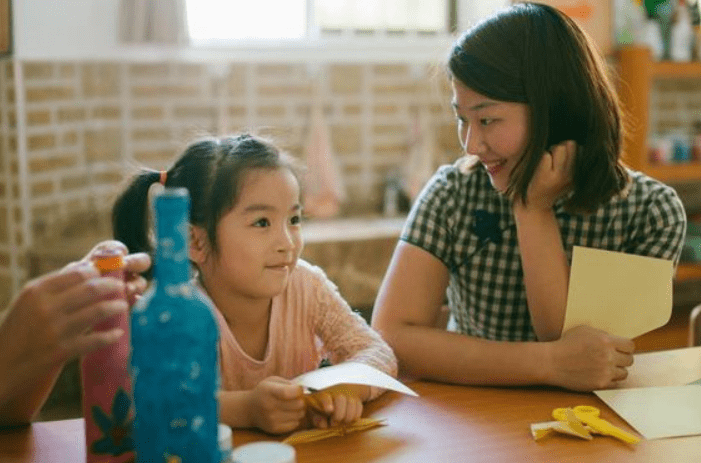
(174, 353)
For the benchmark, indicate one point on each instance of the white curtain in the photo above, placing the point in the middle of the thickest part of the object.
(153, 21)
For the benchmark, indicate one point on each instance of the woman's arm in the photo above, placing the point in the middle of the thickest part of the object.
(545, 269)
(405, 313)
(543, 258)
(406, 310)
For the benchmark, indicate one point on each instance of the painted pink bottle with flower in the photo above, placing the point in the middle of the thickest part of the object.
(106, 384)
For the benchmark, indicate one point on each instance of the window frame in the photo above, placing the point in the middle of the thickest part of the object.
(343, 45)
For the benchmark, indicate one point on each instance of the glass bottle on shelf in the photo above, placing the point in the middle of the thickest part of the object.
(174, 360)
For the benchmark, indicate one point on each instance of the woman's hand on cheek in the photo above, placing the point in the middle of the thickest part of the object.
(553, 176)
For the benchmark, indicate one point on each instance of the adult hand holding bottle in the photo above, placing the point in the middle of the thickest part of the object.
(50, 323)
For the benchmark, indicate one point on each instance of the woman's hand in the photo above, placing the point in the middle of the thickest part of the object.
(51, 319)
(341, 404)
(134, 265)
(587, 359)
(553, 176)
(276, 405)
(51, 322)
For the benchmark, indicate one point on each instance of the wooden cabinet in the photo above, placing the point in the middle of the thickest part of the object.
(638, 70)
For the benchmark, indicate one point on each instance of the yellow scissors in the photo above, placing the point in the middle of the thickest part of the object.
(590, 416)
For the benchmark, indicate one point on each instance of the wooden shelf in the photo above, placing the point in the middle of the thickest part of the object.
(674, 172)
(638, 70)
(352, 229)
(687, 272)
(675, 70)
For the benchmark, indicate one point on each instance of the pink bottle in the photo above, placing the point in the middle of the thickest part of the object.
(107, 393)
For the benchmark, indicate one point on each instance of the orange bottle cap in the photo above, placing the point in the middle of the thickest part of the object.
(109, 263)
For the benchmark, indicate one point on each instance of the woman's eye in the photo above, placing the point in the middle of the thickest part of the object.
(261, 223)
(486, 121)
(296, 220)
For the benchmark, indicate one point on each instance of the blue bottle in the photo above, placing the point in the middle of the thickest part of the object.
(174, 351)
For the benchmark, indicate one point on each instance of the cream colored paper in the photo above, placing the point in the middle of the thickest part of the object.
(658, 412)
(351, 373)
(623, 294)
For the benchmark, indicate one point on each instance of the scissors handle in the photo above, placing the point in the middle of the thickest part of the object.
(591, 419)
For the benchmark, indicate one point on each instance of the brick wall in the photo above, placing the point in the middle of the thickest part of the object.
(10, 213)
(87, 125)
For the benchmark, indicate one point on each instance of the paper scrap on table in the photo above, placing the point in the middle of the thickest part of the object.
(351, 373)
(658, 412)
(313, 435)
(623, 294)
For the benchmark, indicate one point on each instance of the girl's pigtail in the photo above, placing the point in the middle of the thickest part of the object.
(130, 213)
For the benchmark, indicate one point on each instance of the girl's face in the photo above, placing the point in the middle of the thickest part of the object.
(260, 239)
(494, 131)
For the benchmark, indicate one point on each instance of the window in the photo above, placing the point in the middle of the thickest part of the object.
(221, 21)
(217, 21)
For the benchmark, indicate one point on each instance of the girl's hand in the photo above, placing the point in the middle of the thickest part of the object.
(341, 404)
(275, 405)
(587, 359)
(553, 176)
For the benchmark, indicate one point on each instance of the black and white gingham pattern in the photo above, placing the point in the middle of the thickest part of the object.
(486, 293)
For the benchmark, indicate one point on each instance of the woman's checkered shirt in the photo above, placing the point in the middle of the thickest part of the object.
(463, 221)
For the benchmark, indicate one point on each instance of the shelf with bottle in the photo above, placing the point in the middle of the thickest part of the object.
(638, 70)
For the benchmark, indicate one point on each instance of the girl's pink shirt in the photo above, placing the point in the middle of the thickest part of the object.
(309, 320)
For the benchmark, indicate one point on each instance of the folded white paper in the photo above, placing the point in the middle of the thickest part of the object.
(658, 412)
(351, 373)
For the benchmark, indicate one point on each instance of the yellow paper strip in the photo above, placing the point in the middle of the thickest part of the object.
(311, 435)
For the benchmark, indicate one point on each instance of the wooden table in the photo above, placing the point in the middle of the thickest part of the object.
(446, 424)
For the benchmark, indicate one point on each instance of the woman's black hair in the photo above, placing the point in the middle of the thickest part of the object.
(534, 54)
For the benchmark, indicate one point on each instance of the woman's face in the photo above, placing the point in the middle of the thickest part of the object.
(494, 131)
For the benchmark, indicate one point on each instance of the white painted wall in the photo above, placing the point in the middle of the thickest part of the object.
(65, 28)
(87, 29)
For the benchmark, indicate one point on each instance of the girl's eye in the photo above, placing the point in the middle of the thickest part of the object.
(296, 220)
(261, 223)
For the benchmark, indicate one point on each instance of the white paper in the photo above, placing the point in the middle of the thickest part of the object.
(623, 294)
(351, 373)
(658, 412)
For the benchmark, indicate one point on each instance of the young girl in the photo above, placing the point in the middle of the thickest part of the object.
(278, 315)
(541, 128)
